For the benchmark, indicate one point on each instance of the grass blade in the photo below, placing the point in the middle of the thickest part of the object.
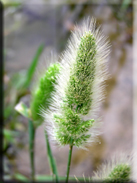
(33, 65)
(20, 177)
(23, 109)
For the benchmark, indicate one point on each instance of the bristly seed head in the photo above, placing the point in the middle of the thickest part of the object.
(41, 96)
(118, 169)
(79, 89)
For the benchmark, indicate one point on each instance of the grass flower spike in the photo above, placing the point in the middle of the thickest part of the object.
(119, 169)
(41, 96)
(79, 89)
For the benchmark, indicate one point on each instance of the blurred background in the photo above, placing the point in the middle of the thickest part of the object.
(35, 28)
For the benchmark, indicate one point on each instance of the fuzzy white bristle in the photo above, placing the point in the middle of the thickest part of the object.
(68, 59)
(117, 159)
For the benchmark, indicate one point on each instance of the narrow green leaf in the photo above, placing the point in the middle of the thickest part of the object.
(20, 177)
(22, 79)
(33, 65)
(18, 79)
(23, 109)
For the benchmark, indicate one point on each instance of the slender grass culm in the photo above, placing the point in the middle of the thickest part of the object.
(40, 96)
(72, 117)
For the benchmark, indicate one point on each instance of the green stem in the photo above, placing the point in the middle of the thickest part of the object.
(69, 161)
(31, 148)
(51, 159)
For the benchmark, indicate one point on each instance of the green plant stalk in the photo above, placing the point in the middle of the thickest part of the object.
(32, 131)
(51, 159)
(69, 162)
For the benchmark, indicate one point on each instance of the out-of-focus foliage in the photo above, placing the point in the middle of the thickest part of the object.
(18, 85)
(9, 3)
(9, 138)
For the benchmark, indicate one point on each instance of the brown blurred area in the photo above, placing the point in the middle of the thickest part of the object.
(29, 25)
